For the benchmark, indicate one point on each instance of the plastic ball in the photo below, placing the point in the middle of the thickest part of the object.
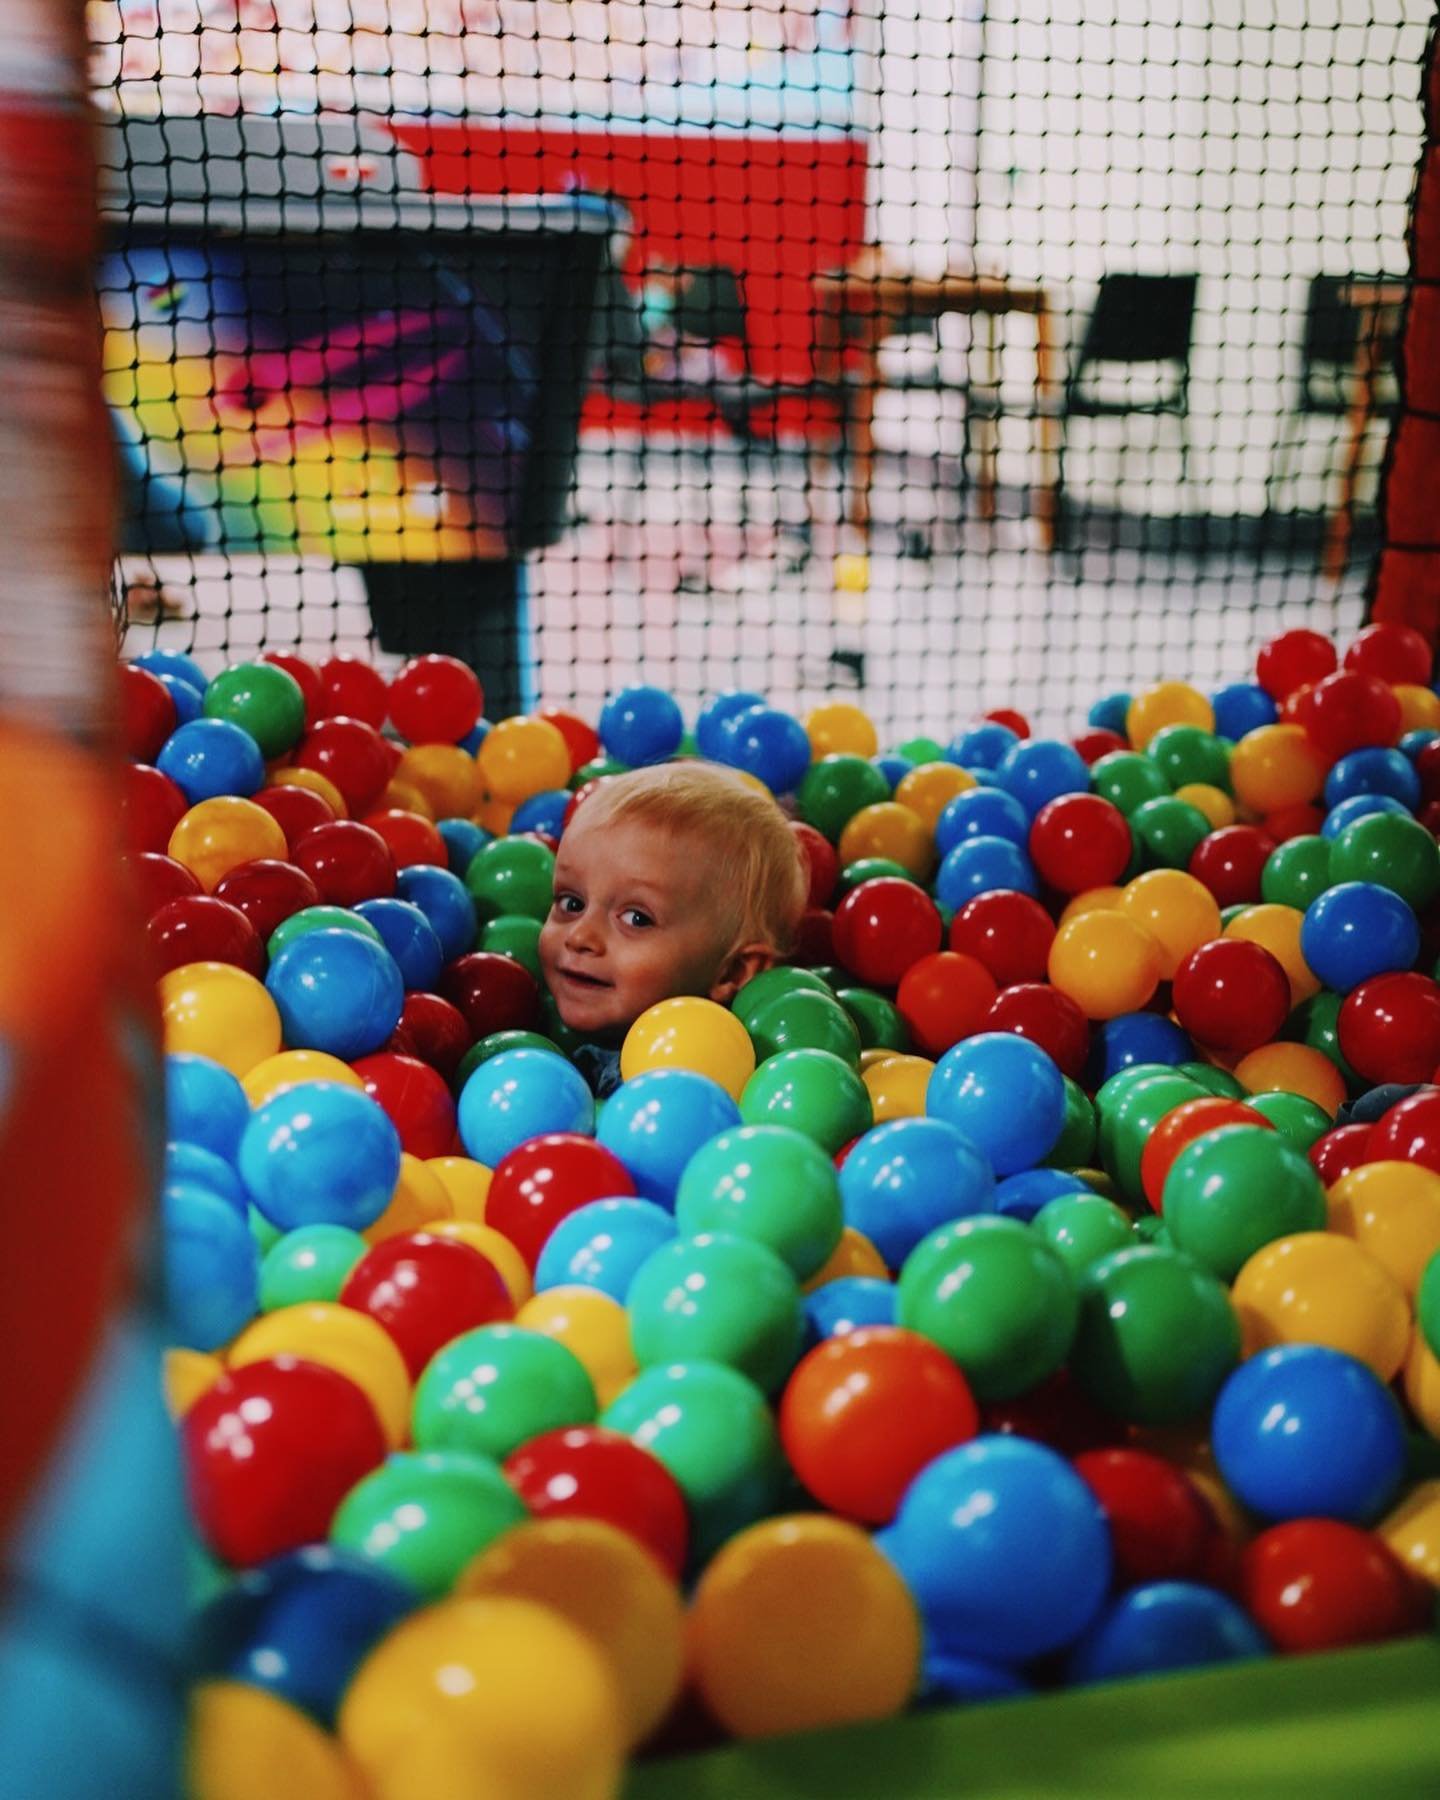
(492, 993)
(1168, 831)
(151, 806)
(1045, 1017)
(289, 1068)
(320, 1153)
(769, 746)
(1320, 1584)
(445, 778)
(840, 729)
(1347, 711)
(521, 1094)
(766, 1183)
(1393, 850)
(311, 1263)
(1323, 1288)
(209, 758)
(263, 700)
(352, 755)
(1296, 873)
(1409, 1131)
(319, 918)
(212, 1269)
(1167, 703)
(846, 1304)
(489, 1390)
(1160, 1525)
(219, 1012)
(587, 1472)
(1293, 660)
(425, 1291)
(690, 1033)
(809, 1090)
(435, 700)
(1231, 863)
(602, 1244)
(1010, 933)
(336, 991)
(205, 1104)
(835, 789)
(1393, 653)
(1128, 781)
(1081, 1228)
(337, 1338)
(1004, 1094)
(717, 1298)
(985, 812)
(1381, 772)
(510, 875)
(890, 831)
(1275, 767)
(347, 861)
(1389, 1027)
(267, 892)
(1178, 911)
(242, 1739)
(1357, 930)
(1236, 1189)
(1391, 1209)
(944, 997)
(909, 1177)
(801, 1019)
(414, 1099)
(1231, 995)
(409, 937)
(420, 1200)
(1162, 1626)
(1106, 962)
(522, 756)
(1278, 929)
(1040, 771)
(1134, 1038)
(593, 1327)
(543, 1181)
(928, 789)
(1131, 1106)
(220, 834)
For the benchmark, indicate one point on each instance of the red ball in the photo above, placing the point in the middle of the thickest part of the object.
(270, 1451)
(1290, 660)
(1098, 742)
(1054, 1412)
(1288, 822)
(819, 861)
(544, 1180)
(1231, 861)
(351, 754)
(1340, 1151)
(492, 992)
(944, 997)
(157, 879)
(435, 700)
(411, 837)
(1347, 711)
(295, 810)
(1180, 1127)
(1010, 719)
(436, 1030)
(147, 712)
(1320, 1584)
(587, 1472)
(1009, 932)
(1160, 1525)
(883, 926)
(305, 675)
(1046, 1017)
(151, 804)
(1409, 1132)
(267, 892)
(1429, 817)
(581, 740)
(351, 688)
(578, 799)
(1427, 767)
(203, 928)
(1080, 841)
(814, 943)
(425, 1291)
(1231, 995)
(864, 1412)
(347, 861)
(1389, 1028)
(414, 1098)
(1394, 653)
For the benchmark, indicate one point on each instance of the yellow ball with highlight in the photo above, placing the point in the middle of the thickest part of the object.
(889, 830)
(840, 730)
(1167, 703)
(1213, 802)
(690, 1033)
(1419, 707)
(897, 1086)
(1276, 766)
(289, 1068)
(246, 1743)
(349, 1342)
(1178, 911)
(1393, 1209)
(445, 777)
(216, 1010)
(1276, 928)
(1107, 962)
(466, 1182)
(930, 787)
(1412, 1530)
(522, 756)
(1293, 1069)
(216, 836)
(1318, 1287)
(594, 1327)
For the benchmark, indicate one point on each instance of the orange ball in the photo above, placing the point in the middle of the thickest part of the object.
(1276, 766)
(216, 836)
(892, 831)
(523, 756)
(1293, 1069)
(1106, 962)
(1178, 911)
(445, 775)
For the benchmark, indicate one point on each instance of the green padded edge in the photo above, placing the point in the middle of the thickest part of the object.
(1350, 1724)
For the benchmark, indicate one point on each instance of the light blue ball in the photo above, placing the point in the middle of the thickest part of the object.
(336, 991)
(521, 1094)
(175, 663)
(409, 937)
(1004, 1094)
(193, 1163)
(908, 1177)
(204, 1104)
(320, 1153)
(847, 1305)
(189, 700)
(1359, 806)
(602, 1245)
(463, 838)
(656, 1122)
(1110, 713)
(211, 1263)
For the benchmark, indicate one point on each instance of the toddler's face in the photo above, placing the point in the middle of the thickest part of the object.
(636, 918)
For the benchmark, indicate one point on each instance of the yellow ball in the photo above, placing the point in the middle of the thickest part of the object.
(1318, 1287)
(1178, 911)
(840, 730)
(289, 1068)
(1412, 1530)
(1277, 929)
(403, 796)
(595, 1329)
(1096, 899)
(1213, 802)
(1275, 766)
(245, 1743)
(1419, 708)
(1393, 1209)
(216, 836)
(801, 1623)
(1422, 1383)
(216, 1010)
(1167, 703)
(694, 1034)
(928, 789)
(349, 1342)
(494, 815)
(887, 829)
(317, 784)
(608, 1586)
(897, 1087)
(1107, 962)
(466, 1182)
(852, 573)
(1293, 1069)
(485, 1698)
(523, 756)
(853, 1255)
(511, 1265)
(420, 1200)
(444, 775)
(187, 1375)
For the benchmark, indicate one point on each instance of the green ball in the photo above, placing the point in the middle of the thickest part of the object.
(876, 1019)
(493, 1045)
(1296, 872)
(490, 1389)
(1081, 1228)
(1298, 1120)
(318, 918)
(811, 1091)
(262, 699)
(804, 1020)
(1168, 832)
(1427, 1304)
(422, 1518)
(1125, 1132)
(996, 1298)
(1236, 1189)
(831, 974)
(769, 1184)
(1110, 1093)
(1150, 1229)
(311, 1263)
(1157, 1336)
(717, 1298)
(1213, 1080)
(1393, 851)
(1127, 779)
(595, 770)
(516, 936)
(769, 984)
(1076, 1143)
(511, 875)
(1185, 753)
(712, 1430)
(872, 868)
(1316, 1022)
(921, 750)
(835, 789)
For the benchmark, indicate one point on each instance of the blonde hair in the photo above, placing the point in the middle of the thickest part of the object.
(757, 860)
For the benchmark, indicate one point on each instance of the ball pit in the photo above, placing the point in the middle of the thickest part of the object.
(1044, 1231)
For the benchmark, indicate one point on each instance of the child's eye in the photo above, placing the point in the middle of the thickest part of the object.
(633, 915)
(569, 904)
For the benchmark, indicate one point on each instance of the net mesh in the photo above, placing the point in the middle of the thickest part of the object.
(941, 353)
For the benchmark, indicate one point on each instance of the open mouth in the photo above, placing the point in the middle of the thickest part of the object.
(578, 980)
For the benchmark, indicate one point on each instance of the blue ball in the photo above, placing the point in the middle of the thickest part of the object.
(445, 901)
(194, 1163)
(1355, 930)
(769, 745)
(846, 1305)
(210, 757)
(544, 811)
(409, 937)
(1359, 806)
(710, 726)
(641, 725)
(982, 746)
(1242, 706)
(893, 768)
(1022, 1196)
(300, 1626)
(176, 663)
(1414, 742)
(475, 736)
(946, 1679)
(1004, 1094)
(980, 865)
(211, 1263)
(189, 701)
(602, 1244)
(1005, 1549)
(908, 1176)
(1110, 713)
(1374, 772)
(1041, 770)
(320, 1153)
(336, 991)
(657, 1121)
(1132, 1038)
(1303, 1431)
(204, 1104)
(1164, 1625)
(462, 839)
(521, 1094)
(984, 812)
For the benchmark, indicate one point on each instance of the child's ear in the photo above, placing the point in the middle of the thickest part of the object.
(740, 966)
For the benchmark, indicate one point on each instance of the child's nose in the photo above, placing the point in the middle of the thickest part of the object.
(584, 932)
